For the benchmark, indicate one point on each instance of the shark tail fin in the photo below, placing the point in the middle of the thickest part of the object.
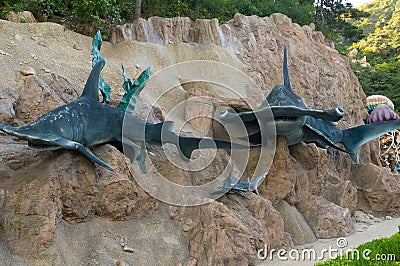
(187, 145)
(286, 79)
(354, 138)
(91, 89)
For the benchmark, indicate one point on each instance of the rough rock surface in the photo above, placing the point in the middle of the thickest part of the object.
(295, 224)
(21, 17)
(232, 230)
(326, 219)
(8, 101)
(378, 190)
(51, 200)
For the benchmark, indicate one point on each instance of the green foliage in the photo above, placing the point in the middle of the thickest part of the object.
(301, 11)
(375, 250)
(382, 28)
(334, 18)
(84, 16)
(43, 10)
(88, 16)
(381, 48)
(384, 79)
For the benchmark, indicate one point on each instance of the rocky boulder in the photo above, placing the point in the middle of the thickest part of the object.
(378, 190)
(232, 230)
(21, 17)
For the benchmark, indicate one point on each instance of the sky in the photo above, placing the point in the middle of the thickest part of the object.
(357, 3)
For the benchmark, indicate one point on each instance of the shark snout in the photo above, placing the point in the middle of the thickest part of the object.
(3, 126)
(9, 129)
(20, 132)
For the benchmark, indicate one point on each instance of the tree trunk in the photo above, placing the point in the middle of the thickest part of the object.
(322, 12)
(138, 9)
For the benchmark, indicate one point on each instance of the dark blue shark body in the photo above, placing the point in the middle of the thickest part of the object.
(86, 122)
(296, 122)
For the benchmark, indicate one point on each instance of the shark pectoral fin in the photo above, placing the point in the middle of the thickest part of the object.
(68, 144)
(88, 153)
(129, 151)
(354, 137)
(315, 136)
(141, 159)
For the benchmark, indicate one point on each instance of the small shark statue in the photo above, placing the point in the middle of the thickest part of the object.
(86, 122)
(296, 122)
(233, 185)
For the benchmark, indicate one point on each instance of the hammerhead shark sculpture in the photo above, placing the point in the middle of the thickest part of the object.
(86, 122)
(296, 122)
(239, 187)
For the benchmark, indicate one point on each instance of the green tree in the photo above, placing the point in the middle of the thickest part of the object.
(138, 9)
(333, 18)
(381, 48)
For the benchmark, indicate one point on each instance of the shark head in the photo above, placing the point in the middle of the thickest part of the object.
(281, 100)
(36, 140)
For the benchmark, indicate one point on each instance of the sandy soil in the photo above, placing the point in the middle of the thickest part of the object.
(152, 240)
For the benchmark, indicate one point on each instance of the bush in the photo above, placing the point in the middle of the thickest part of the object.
(88, 16)
(383, 78)
(379, 248)
(83, 16)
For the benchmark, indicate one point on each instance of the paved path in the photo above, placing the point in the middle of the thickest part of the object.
(375, 230)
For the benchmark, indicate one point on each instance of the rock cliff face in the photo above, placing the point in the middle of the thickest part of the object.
(47, 197)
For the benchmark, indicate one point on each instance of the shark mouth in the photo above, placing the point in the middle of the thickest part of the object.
(42, 146)
(286, 118)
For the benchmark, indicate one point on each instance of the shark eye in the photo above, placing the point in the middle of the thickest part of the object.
(340, 111)
(222, 114)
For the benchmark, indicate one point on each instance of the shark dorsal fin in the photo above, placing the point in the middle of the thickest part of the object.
(231, 178)
(286, 79)
(91, 89)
